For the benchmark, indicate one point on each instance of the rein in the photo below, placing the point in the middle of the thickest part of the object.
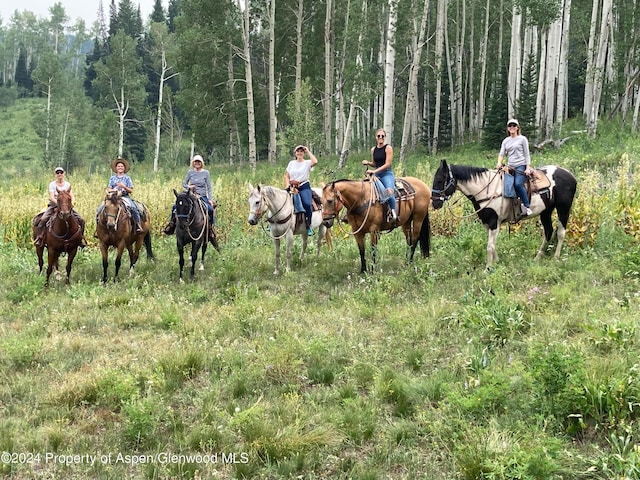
(353, 212)
(272, 219)
(190, 217)
(442, 195)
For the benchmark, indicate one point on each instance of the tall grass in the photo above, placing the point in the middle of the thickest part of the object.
(430, 370)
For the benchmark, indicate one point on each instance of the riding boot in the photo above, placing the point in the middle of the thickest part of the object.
(171, 227)
(212, 238)
(40, 234)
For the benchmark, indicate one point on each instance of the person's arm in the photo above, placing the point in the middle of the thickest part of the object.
(369, 163)
(527, 155)
(312, 157)
(185, 182)
(208, 187)
(52, 194)
(287, 179)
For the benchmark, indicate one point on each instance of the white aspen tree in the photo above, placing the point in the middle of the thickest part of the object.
(563, 74)
(234, 131)
(389, 70)
(339, 89)
(346, 138)
(441, 20)
(636, 107)
(271, 81)
(246, 57)
(410, 132)
(298, 66)
(327, 103)
(457, 114)
(482, 59)
(590, 75)
(599, 66)
(515, 60)
(452, 93)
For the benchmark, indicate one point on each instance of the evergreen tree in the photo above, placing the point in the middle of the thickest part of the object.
(173, 12)
(23, 76)
(158, 15)
(494, 129)
(526, 105)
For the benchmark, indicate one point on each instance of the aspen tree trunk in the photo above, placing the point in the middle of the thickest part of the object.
(482, 59)
(246, 57)
(298, 67)
(47, 152)
(234, 131)
(599, 67)
(452, 93)
(164, 69)
(328, 77)
(410, 132)
(439, 46)
(563, 75)
(389, 70)
(457, 115)
(515, 61)
(341, 141)
(272, 82)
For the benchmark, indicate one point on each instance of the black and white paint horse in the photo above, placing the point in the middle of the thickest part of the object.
(485, 187)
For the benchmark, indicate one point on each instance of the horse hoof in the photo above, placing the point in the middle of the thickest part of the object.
(201, 267)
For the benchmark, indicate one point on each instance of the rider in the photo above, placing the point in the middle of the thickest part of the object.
(121, 182)
(59, 184)
(197, 180)
(381, 159)
(516, 148)
(297, 176)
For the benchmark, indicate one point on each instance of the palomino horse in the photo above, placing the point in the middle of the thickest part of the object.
(63, 234)
(484, 188)
(192, 228)
(114, 228)
(278, 206)
(366, 214)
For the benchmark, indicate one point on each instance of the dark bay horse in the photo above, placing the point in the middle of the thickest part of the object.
(192, 228)
(277, 204)
(64, 233)
(114, 228)
(366, 215)
(485, 189)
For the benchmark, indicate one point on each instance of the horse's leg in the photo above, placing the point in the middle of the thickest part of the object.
(305, 239)
(70, 256)
(276, 245)
(39, 253)
(104, 251)
(547, 226)
(118, 261)
(180, 248)
(375, 236)
(363, 261)
(289, 237)
(322, 231)
(203, 250)
(51, 261)
(492, 254)
(134, 254)
(411, 236)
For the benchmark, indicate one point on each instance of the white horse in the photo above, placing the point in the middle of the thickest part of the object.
(277, 204)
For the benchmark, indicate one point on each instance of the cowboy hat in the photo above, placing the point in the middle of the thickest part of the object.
(197, 158)
(121, 160)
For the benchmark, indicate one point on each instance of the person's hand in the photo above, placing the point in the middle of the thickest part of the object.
(365, 162)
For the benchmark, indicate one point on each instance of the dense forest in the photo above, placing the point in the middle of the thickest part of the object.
(245, 84)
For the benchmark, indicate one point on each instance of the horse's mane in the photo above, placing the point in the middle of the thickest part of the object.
(465, 173)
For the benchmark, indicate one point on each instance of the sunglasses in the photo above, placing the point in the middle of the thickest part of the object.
(512, 125)
(59, 171)
(380, 136)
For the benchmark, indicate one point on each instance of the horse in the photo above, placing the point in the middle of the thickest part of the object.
(365, 214)
(485, 189)
(283, 220)
(192, 228)
(64, 233)
(114, 228)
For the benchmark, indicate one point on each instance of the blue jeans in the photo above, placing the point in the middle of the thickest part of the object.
(519, 184)
(389, 181)
(304, 191)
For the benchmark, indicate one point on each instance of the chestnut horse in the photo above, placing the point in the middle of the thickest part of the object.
(485, 189)
(64, 233)
(114, 228)
(366, 214)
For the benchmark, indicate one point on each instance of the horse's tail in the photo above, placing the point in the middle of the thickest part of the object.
(147, 245)
(425, 236)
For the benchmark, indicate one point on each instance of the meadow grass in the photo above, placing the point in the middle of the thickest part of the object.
(435, 369)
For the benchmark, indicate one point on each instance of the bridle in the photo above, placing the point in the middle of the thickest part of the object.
(340, 198)
(447, 190)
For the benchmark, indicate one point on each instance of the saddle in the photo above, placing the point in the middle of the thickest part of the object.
(536, 183)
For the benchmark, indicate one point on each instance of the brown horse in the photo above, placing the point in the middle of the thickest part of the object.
(114, 228)
(366, 214)
(64, 233)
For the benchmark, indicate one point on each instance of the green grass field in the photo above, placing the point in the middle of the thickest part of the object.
(434, 370)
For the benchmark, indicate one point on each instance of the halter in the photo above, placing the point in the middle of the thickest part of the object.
(448, 190)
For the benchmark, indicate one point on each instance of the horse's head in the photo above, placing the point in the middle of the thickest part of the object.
(331, 204)
(64, 203)
(256, 204)
(112, 208)
(185, 202)
(444, 185)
